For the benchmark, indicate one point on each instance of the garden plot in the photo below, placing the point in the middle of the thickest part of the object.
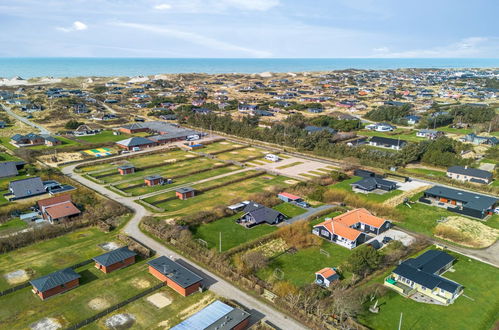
(159, 300)
(241, 154)
(17, 277)
(47, 323)
(218, 146)
(222, 195)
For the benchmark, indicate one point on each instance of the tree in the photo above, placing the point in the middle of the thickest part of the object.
(389, 113)
(73, 124)
(254, 260)
(364, 260)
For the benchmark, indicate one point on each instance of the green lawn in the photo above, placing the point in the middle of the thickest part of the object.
(13, 224)
(103, 137)
(345, 185)
(289, 210)
(219, 196)
(5, 141)
(241, 154)
(233, 234)
(218, 146)
(397, 134)
(5, 157)
(300, 268)
(480, 312)
(47, 256)
(462, 131)
(426, 172)
(65, 143)
(22, 308)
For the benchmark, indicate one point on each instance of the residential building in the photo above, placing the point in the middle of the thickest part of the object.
(429, 134)
(25, 188)
(153, 180)
(372, 183)
(351, 228)
(460, 201)
(423, 275)
(326, 277)
(135, 142)
(185, 192)
(217, 315)
(8, 169)
(126, 169)
(475, 139)
(382, 142)
(175, 275)
(470, 174)
(255, 214)
(55, 283)
(58, 208)
(115, 259)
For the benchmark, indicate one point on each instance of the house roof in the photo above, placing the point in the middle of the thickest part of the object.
(112, 257)
(290, 196)
(62, 210)
(135, 142)
(184, 190)
(27, 187)
(313, 129)
(261, 213)
(126, 167)
(174, 271)
(372, 183)
(388, 141)
(340, 229)
(153, 177)
(217, 315)
(359, 215)
(422, 270)
(54, 200)
(471, 200)
(464, 170)
(54, 279)
(8, 169)
(327, 272)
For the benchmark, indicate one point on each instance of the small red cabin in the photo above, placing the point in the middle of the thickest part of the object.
(175, 275)
(153, 180)
(115, 259)
(55, 283)
(184, 193)
(126, 169)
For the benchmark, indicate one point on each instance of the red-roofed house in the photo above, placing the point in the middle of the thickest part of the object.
(57, 208)
(350, 229)
(287, 197)
(326, 276)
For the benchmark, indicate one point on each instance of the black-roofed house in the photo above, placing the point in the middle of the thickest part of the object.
(373, 183)
(8, 169)
(175, 275)
(25, 188)
(255, 214)
(55, 283)
(470, 174)
(382, 142)
(135, 142)
(423, 276)
(115, 259)
(460, 201)
(185, 192)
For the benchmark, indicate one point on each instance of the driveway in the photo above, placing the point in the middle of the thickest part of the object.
(218, 285)
(396, 235)
(40, 128)
(311, 211)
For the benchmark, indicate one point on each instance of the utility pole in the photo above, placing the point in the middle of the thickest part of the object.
(400, 321)
(220, 242)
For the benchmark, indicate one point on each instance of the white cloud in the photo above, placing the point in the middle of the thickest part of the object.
(222, 6)
(194, 38)
(76, 26)
(381, 50)
(163, 6)
(259, 5)
(467, 47)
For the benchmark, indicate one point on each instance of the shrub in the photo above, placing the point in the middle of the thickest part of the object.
(298, 235)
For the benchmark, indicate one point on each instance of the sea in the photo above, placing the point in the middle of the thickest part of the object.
(29, 67)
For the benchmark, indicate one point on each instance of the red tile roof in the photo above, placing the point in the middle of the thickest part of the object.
(359, 215)
(326, 272)
(290, 196)
(54, 200)
(62, 210)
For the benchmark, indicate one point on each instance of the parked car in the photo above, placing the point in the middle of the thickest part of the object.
(387, 239)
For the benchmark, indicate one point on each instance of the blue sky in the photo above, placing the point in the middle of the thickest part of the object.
(249, 28)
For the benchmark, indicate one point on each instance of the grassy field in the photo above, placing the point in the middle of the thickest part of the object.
(219, 146)
(396, 134)
(289, 165)
(148, 316)
(479, 312)
(5, 141)
(219, 196)
(345, 185)
(191, 178)
(22, 308)
(425, 171)
(461, 131)
(289, 210)
(45, 257)
(241, 154)
(233, 234)
(11, 225)
(5, 157)
(103, 137)
(299, 268)
(65, 143)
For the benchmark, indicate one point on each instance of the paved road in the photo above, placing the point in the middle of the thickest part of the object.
(40, 128)
(217, 284)
(311, 211)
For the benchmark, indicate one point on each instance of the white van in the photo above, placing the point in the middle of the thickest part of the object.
(272, 157)
(193, 137)
(136, 149)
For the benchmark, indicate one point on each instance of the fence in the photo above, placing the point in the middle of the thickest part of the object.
(115, 307)
(26, 284)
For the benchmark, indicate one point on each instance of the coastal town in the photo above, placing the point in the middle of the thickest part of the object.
(349, 199)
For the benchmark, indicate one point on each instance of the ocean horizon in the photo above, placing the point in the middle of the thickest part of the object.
(31, 67)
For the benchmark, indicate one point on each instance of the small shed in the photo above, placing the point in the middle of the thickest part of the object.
(116, 259)
(185, 192)
(55, 283)
(326, 276)
(126, 169)
(287, 197)
(175, 275)
(153, 180)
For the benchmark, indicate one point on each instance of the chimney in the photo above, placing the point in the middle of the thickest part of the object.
(466, 167)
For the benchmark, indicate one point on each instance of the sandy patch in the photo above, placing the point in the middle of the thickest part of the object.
(141, 283)
(46, 323)
(16, 277)
(234, 152)
(109, 246)
(61, 158)
(236, 145)
(399, 199)
(224, 142)
(170, 160)
(290, 181)
(98, 304)
(196, 307)
(120, 321)
(159, 300)
(164, 324)
(467, 232)
(265, 74)
(170, 221)
(251, 149)
(190, 156)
